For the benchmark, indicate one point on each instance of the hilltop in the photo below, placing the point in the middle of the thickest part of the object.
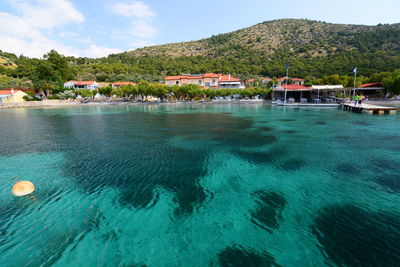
(314, 48)
(305, 38)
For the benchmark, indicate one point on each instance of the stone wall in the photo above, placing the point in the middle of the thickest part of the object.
(39, 103)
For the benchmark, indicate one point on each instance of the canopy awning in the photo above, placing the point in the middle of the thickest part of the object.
(328, 87)
(281, 89)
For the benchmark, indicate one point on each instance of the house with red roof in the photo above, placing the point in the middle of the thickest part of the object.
(297, 81)
(12, 95)
(89, 85)
(263, 81)
(372, 85)
(208, 80)
(293, 92)
(376, 90)
(229, 82)
(119, 84)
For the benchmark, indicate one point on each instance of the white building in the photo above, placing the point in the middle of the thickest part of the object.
(89, 85)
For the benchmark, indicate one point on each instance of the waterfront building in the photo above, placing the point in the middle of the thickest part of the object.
(12, 96)
(263, 82)
(103, 84)
(303, 94)
(374, 90)
(119, 84)
(208, 80)
(296, 81)
(89, 85)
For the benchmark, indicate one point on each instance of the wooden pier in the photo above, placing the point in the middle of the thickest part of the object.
(367, 108)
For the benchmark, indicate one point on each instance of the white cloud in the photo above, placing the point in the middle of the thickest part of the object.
(25, 34)
(47, 14)
(33, 48)
(17, 36)
(142, 29)
(99, 51)
(141, 43)
(76, 37)
(136, 9)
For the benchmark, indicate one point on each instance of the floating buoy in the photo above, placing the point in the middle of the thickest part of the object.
(22, 188)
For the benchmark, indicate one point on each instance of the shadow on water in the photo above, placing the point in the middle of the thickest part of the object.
(390, 183)
(290, 131)
(292, 164)
(286, 120)
(347, 168)
(140, 156)
(12, 209)
(382, 165)
(52, 241)
(59, 242)
(8, 213)
(266, 129)
(351, 236)
(239, 256)
(361, 123)
(268, 213)
(255, 157)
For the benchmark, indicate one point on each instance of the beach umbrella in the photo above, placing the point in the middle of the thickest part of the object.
(22, 188)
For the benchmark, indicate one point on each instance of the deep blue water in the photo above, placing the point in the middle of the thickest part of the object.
(199, 185)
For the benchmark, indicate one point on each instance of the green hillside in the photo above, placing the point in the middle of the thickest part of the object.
(313, 48)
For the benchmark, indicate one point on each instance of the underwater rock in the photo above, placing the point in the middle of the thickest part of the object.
(268, 212)
(238, 256)
(351, 236)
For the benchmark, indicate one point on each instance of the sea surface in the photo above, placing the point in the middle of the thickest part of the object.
(199, 185)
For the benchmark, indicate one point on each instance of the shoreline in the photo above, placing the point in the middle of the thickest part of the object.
(74, 103)
(69, 103)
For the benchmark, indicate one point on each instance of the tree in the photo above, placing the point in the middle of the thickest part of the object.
(51, 73)
(392, 82)
(106, 91)
(143, 89)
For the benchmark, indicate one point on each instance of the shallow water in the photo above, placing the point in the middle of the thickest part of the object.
(196, 185)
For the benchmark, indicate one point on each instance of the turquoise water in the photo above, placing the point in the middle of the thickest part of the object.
(199, 185)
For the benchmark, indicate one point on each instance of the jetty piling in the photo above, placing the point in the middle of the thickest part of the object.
(367, 108)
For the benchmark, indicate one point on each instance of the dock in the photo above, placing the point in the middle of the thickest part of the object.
(367, 108)
(308, 105)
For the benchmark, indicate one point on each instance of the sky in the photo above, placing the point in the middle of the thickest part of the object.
(92, 28)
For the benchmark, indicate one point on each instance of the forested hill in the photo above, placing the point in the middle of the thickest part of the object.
(315, 49)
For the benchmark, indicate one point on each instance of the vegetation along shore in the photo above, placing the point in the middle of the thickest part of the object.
(319, 52)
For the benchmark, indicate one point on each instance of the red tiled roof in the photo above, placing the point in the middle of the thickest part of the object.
(20, 88)
(371, 85)
(175, 77)
(224, 78)
(211, 75)
(83, 82)
(250, 80)
(294, 87)
(8, 92)
(123, 83)
(227, 78)
(293, 79)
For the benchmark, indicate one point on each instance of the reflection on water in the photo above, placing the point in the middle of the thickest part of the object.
(229, 185)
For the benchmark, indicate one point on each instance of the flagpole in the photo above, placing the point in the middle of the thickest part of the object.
(355, 80)
(287, 76)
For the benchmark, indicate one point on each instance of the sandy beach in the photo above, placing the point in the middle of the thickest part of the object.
(64, 103)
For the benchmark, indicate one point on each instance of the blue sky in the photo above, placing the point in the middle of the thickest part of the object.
(97, 28)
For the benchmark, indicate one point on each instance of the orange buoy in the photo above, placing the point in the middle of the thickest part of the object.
(22, 188)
